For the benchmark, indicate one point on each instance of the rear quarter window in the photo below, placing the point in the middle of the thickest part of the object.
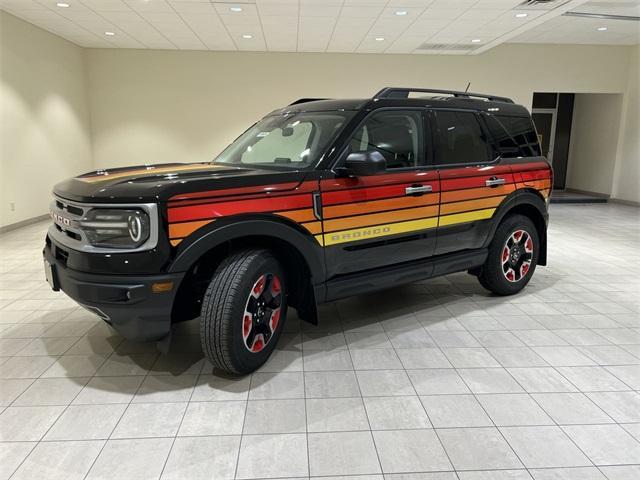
(513, 136)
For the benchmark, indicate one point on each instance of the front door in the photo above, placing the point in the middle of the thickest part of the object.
(386, 219)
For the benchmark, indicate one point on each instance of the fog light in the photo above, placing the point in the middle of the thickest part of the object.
(162, 287)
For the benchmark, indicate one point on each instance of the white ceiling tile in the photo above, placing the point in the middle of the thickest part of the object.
(193, 7)
(319, 10)
(20, 5)
(361, 12)
(278, 9)
(155, 6)
(240, 19)
(105, 5)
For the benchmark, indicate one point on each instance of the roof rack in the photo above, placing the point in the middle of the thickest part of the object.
(393, 92)
(305, 100)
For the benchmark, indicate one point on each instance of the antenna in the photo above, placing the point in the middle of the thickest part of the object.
(467, 89)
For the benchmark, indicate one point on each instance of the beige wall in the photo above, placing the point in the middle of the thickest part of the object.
(626, 184)
(165, 106)
(44, 128)
(594, 142)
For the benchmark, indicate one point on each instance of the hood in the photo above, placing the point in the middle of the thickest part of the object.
(153, 183)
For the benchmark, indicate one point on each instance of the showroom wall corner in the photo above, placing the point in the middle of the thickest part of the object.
(44, 129)
(626, 183)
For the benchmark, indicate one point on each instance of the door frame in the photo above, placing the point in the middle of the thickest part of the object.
(554, 119)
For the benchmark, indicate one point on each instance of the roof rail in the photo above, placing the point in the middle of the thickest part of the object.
(393, 92)
(305, 100)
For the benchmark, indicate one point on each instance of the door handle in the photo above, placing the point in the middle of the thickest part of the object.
(418, 189)
(495, 181)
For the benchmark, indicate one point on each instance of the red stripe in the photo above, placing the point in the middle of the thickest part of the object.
(462, 172)
(378, 180)
(536, 175)
(277, 187)
(473, 182)
(222, 209)
(523, 167)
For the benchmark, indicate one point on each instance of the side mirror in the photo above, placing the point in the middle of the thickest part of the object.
(362, 164)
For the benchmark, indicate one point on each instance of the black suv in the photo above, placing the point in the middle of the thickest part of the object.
(317, 201)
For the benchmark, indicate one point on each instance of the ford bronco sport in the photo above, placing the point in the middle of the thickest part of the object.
(319, 200)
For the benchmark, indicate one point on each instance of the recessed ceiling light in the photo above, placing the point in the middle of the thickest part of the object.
(476, 40)
(235, 9)
(521, 15)
(379, 39)
(602, 29)
(110, 34)
(247, 36)
(401, 13)
(62, 5)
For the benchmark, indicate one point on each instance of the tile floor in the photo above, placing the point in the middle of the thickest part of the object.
(434, 380)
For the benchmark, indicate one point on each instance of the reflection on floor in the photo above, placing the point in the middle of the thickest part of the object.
(436, 378)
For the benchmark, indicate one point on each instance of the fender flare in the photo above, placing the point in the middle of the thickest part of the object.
(531, 199)
(238, 227)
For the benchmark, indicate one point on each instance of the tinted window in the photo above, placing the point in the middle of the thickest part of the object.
(459, 138)
(396, 135)
(522, 133)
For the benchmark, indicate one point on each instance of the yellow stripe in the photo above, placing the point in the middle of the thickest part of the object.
(145, 171)
(466, 217)
(378, 231)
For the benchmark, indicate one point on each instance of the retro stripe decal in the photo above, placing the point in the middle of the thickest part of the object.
(370, 208)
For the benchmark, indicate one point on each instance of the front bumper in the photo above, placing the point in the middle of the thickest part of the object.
(127, 303)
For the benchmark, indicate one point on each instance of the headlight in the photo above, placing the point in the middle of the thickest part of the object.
(115, 228)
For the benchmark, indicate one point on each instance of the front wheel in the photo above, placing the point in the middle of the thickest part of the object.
(512, 258)
(243, 311)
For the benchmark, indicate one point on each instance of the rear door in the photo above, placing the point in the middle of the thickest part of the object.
(387, 219)
(472, 182)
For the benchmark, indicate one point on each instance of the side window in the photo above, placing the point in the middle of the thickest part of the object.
(395, 134)
(505, 145)
(459, 138)
(281, 145)
(523, 133)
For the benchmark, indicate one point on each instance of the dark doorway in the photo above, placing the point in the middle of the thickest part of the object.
(553, 114)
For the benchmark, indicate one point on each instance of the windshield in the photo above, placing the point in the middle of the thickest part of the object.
(296, 140)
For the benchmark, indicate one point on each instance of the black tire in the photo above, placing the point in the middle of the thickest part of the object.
(494, 274)
(224, 307)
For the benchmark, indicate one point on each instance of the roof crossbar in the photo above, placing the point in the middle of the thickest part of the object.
(394, 92)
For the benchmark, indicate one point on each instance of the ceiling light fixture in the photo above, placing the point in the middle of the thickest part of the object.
(235, 9)
(401, 13)
(476, 40)
(247, 36)
(110, 34)
(602, 29)
(62, 5)
(379, 39)
(521, 15)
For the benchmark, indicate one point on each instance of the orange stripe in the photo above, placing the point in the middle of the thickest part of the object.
(175, 243)
(473, 193)
(378, 205)
(380, 218)
(179, 230)
(305, 215)
(478, 204)
(313, 227)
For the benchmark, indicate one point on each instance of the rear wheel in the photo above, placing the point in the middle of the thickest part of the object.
(243, 311)
(513, 256)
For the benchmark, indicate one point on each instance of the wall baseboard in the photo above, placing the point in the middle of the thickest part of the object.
(621, 201)
(23, 223)
(587, 192)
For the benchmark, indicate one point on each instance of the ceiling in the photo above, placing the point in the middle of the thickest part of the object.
(361, 26)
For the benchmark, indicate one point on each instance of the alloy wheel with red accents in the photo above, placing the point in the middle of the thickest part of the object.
(517, 255)
(512, 256)
(262, 312)
(243, 311)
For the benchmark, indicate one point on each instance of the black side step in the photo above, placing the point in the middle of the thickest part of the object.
(387, 277)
